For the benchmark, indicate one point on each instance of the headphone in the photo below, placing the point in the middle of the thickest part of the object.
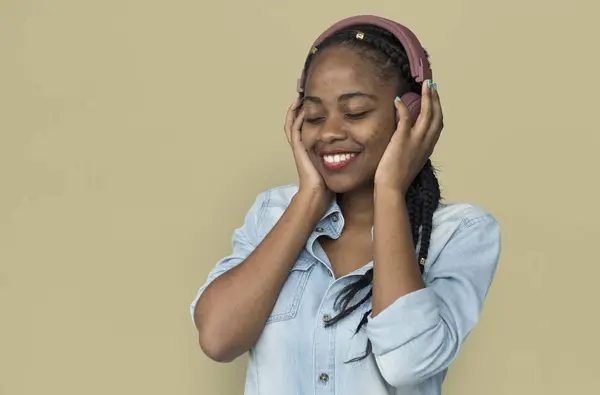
(419, 65)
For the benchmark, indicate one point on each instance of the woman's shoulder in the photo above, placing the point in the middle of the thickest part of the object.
(279, 196)
(269, 206)
(451, 217)
(461, 211)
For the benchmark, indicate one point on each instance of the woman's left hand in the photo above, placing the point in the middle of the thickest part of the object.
(411, 146)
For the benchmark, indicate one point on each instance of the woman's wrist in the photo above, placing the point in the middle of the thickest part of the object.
(387, 192)
(312, 202)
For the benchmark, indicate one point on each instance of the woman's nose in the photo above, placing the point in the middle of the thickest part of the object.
(332, 130)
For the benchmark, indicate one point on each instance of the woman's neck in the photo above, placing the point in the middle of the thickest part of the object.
(357, 207)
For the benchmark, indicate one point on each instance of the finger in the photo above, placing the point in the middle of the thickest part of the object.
(424, 119)
(289, 119)
(404, 119)
(437, 120)
(296, 132)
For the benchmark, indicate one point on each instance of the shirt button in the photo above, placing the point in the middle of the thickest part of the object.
(320, 230)
(334, 218)
(324, 377)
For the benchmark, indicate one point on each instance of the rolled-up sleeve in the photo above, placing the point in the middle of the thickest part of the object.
(420, 334)
(244, 240)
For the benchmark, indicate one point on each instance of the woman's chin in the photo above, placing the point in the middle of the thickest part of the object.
(342, 184)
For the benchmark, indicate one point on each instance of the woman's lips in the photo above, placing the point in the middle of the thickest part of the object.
(338, 161)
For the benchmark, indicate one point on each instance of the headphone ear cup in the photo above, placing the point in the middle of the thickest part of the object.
(413, 102)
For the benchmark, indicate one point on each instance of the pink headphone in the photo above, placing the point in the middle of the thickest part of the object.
(419, 65)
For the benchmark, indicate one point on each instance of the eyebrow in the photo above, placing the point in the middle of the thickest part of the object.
(344, 97)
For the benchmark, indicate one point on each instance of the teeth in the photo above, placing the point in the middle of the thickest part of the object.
(337, 158)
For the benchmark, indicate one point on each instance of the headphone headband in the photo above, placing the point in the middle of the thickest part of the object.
(419, 65)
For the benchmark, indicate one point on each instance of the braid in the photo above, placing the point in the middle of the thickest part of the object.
(430, 190)
(387, 54)
(413, 205)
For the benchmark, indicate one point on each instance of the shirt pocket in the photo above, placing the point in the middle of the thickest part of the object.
(288, 302)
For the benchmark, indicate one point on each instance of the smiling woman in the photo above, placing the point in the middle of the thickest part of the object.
(358, 279)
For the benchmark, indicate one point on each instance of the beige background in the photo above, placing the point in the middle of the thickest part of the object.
(134, 135)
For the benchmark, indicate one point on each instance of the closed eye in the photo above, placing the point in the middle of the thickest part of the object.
(352, 116)
(313, 121)
(358, 115)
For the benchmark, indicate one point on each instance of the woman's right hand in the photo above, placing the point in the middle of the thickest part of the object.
(310, 181)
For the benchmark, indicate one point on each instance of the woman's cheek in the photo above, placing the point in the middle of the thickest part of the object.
(307, 137)
(379, 139)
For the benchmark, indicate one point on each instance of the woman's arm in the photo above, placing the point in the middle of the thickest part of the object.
(417, 327)
(231, 312)
(395, 269)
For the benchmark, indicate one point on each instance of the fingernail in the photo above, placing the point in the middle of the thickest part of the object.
(397, 98)
(435, 86)
(429, 84)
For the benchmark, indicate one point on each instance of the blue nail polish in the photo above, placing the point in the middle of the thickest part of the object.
(397, 98)
(429, 84)
(435, 86)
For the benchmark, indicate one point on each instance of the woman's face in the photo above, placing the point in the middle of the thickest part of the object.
(350, 118)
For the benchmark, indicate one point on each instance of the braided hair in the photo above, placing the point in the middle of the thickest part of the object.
(383, 50)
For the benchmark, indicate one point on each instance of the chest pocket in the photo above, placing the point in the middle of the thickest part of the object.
(288, 302)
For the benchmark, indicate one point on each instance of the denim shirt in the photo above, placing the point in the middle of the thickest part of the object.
(414, 339)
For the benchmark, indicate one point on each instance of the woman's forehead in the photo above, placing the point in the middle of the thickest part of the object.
(341, 68)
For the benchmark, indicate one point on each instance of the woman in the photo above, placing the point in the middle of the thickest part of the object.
(358, 280)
